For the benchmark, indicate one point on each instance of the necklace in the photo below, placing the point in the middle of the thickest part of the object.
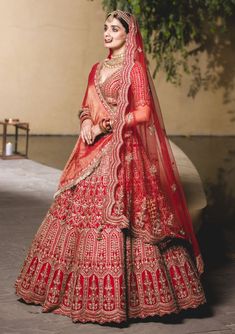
(114, 61)
(118, 56)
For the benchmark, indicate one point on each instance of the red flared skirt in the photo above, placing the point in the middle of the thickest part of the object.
(72, 269)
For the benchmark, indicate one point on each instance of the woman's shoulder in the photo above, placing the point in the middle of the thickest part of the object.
(93, 68)
(92, 71)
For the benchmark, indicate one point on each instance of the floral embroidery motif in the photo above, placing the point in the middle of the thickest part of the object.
(173, 187)
(129, 157)
(153, 169)
(152, 129)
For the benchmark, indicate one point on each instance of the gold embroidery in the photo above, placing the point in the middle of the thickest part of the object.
(129, 157)
(173, 187)
(87, 171)
(157, 282)
(152, 129)
(153, 169)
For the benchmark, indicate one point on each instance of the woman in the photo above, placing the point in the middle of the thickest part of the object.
(117, 242)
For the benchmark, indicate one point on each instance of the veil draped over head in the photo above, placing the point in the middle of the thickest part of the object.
(153, 138)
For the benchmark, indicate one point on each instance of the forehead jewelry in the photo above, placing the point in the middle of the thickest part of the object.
(121, 14)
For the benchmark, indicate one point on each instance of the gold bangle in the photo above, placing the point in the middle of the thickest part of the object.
(83, 111)
(108, 125)
(102, 128)
(105, 125)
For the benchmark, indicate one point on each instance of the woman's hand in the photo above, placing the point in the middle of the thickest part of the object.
(89, 131)
(96, 131)
(86, 131)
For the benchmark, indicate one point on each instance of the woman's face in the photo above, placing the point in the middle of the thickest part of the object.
(114, 34)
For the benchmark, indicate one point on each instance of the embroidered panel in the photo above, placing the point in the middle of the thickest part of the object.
(70, 271)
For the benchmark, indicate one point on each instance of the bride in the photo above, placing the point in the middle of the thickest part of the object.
(117, 242)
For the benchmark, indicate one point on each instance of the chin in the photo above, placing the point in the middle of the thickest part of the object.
(107, 45)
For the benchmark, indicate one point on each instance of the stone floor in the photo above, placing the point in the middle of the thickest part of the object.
(26, 190)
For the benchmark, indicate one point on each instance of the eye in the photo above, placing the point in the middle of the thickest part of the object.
(115, 29)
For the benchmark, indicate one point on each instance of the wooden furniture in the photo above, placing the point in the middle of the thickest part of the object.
(18, 126)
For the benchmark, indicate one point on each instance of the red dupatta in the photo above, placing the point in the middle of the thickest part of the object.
(84, 158)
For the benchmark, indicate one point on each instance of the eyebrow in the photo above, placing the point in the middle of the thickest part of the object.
(112, 25)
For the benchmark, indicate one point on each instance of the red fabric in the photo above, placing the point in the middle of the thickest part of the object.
(114, 243)
(70, 271)
(153, 136)
(135, 93)
(85, 158)
(167, 166)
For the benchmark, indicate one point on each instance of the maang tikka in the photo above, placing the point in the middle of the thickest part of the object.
(121, 14)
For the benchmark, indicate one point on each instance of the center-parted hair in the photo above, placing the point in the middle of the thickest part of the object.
(122, 17)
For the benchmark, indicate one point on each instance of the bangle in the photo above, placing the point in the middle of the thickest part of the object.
(105, 125)
(84, 114)
(102, 128)
(83, 118)
(80, 112)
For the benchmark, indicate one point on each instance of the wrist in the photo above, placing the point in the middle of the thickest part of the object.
(87, 121)
(96, 129)
(84, 114)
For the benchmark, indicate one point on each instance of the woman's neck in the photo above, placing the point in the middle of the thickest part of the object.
(118, 52)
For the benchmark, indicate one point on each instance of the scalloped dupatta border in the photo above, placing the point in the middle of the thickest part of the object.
(119, 122)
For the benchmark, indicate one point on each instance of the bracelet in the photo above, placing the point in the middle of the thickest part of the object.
(84, 114)
(84, 111)
(80, 112)
(105, 125)
(83, 118)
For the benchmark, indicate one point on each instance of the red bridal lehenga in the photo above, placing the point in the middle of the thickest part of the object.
(117, 242)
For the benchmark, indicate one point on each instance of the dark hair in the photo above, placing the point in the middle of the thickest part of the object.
(122, 21)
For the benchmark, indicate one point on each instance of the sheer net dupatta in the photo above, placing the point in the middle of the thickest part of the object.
(84, 158)
(152, 136)
(169, 176)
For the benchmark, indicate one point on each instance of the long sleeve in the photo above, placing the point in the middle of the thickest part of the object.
(84, 113)
(141, 94)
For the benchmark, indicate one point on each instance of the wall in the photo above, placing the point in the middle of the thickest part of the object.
(47, 50)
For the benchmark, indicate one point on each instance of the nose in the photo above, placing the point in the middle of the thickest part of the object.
(106, 33)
